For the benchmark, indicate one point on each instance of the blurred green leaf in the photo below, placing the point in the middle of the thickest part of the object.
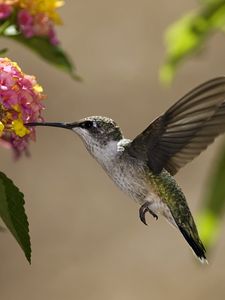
(188, 35)
(213, 206)
(13, 214)
(54, 55)
(4, 25)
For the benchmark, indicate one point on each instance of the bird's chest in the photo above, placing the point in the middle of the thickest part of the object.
(126, 172)
(130, 179)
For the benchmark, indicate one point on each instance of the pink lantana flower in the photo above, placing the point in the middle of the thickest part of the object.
(20, 102)
(53, 36)
(36, 25)
(5, 11)
(34, 17)
(25, 20)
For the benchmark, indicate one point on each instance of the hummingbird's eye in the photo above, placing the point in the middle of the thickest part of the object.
(86, 124)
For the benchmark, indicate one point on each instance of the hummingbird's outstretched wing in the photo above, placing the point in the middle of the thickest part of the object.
(184, 130)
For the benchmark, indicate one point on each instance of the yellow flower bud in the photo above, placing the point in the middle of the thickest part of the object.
(19, 128)
(1, 128)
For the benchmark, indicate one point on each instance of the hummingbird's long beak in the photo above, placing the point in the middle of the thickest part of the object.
(54, 124)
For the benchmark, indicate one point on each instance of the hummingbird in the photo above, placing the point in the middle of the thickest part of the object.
(144, 167)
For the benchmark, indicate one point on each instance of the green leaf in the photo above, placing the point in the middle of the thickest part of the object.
(213, 205)
(4, 25)
(54, 55)
(189, 34)
(13, 214)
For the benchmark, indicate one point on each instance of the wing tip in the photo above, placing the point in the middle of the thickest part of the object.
(196, 246)
(203, 260)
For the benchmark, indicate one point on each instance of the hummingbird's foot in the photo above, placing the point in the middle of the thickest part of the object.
(143, 210)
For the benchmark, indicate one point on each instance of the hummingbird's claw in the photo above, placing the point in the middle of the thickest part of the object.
(142, 213)
(143, 210)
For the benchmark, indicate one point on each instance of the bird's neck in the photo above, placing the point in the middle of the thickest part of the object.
(107, 154)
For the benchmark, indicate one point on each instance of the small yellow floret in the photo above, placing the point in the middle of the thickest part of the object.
(19, 128)
(38, 88)
(15, 65)
(16, 107)
(1, 128)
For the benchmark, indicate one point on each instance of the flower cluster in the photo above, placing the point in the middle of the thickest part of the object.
(20, 102)
(33, 17)
(5, 10)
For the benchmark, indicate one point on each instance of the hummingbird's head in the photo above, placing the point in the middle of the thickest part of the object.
(96, 132)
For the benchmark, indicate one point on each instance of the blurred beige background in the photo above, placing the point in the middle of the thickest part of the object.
(87, 240)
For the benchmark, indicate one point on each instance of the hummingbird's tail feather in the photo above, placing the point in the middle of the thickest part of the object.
(195, 244)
